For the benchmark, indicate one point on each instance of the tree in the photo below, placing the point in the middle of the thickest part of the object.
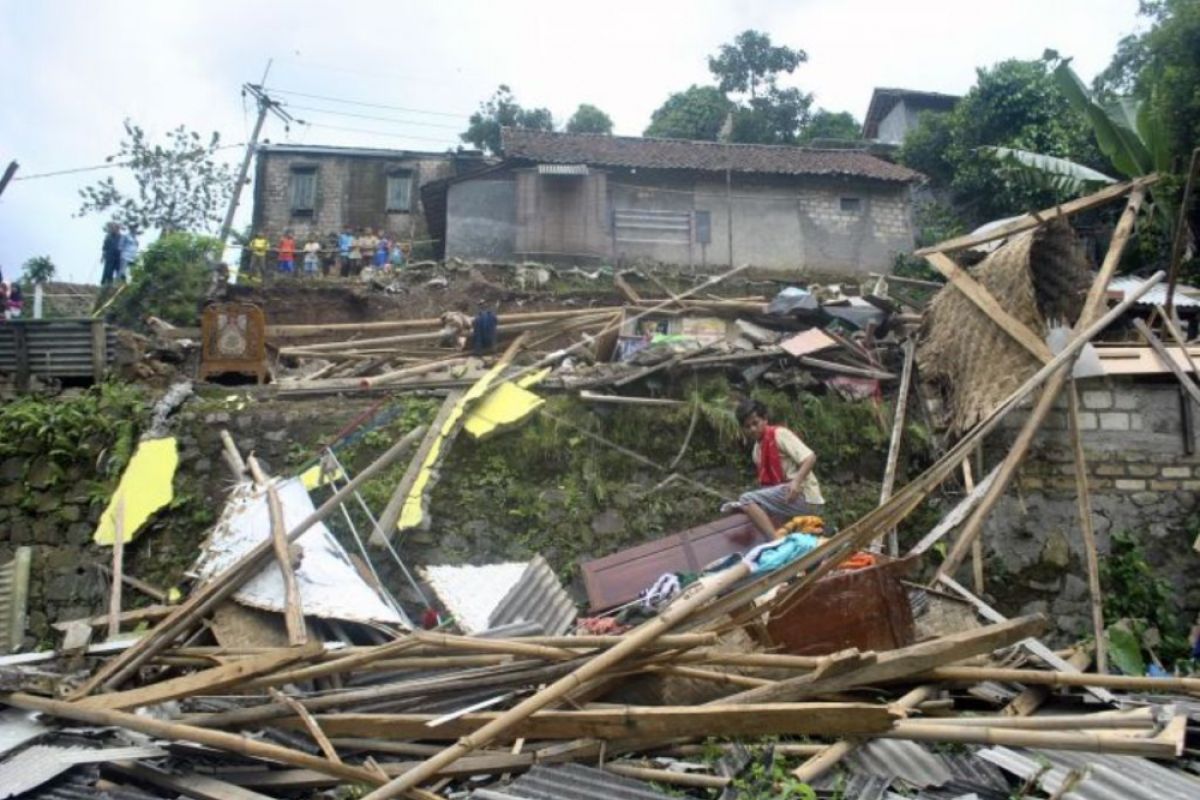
(696, 113)
(589, 119)
(765, 113)
(1016, 105)
(840, 125)
(502, 110)
(169, 281)
(752, 64)
(1162, 67)
(39, 269)
(180, 185)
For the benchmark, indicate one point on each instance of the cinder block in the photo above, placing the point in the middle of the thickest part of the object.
(1142, 470)
(1097, 398)
(1088, 421)
(1176, 472)
(1112, 470)
(1164, 486)
(1129, 485)
(1114, 421)
(1126, 401)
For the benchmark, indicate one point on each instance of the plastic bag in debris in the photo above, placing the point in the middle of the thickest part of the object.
(792, 299)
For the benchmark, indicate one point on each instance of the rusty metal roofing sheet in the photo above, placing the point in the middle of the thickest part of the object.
(59, 348)
(537, 596)
(1096, 776)
(571, 782)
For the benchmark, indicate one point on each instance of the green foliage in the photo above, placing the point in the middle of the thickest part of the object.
(1058, 175)
(775, 782)
(765, 114)
(180, 185)
(1133, 591)
(589, 119)
(39, 269)
(837, 125)
(1125, 650)
(751, 64)
(502, 110)
(1161, 66)
(1014, 104)
(695, 113)
(95, 430)
(169, 281)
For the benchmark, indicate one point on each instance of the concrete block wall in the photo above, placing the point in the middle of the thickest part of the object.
(1141, 480)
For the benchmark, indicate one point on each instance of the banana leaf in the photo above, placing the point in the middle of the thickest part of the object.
(1060, 174)
(1115, 125)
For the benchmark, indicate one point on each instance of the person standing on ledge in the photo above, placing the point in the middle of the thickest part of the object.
(789, 487)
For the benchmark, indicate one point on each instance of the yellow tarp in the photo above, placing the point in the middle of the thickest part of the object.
(413, 512)
(507, 404)
(313, 477)
(145, 487)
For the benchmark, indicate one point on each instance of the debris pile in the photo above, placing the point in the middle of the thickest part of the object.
(291, 668)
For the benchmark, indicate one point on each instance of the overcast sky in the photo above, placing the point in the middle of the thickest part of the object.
(75, 69)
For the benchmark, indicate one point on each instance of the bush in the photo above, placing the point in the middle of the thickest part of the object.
(169, 281)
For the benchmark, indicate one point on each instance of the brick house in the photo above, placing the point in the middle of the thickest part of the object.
(317, 189)
(617, 199)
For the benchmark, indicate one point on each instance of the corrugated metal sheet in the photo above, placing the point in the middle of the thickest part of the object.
(562, 169)
(1096, 776)
(57, 348)
(920, 767)
(571, 782)
(537, 596)
(35, 765)
(837, 785)
(14, 595)
(1157, 296)
(18, 727)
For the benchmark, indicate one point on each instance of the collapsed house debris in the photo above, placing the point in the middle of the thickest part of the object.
(290, 666)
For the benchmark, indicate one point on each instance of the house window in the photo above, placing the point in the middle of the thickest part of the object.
(852, 204)
(302, 191)
(399, 191)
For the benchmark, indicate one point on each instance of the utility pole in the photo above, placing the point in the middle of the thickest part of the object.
(265, 105)
(7, 176)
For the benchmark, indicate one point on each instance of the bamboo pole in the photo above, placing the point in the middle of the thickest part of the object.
(1087, 741)
(118, 569)
(1035, 677)
(228, 742)
(666, 776)
(297, 630)
(977, 545)
(826, 759)
(208, 596)
(1092, 305)
(893, 456)
(1084, 501)
(691, 598)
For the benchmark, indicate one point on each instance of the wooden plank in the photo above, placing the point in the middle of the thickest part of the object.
(1037, 677)
(293, 616)
(134, 615)
(630, 722)
(118, 569)
(211, 681)
(897, 664)
(1163, 746)
(1084, 502)
(191, 784)
(626, 291)
(985, 302)
(1031, 697)
(314, 729)
(1033, 220)
(1165, 357)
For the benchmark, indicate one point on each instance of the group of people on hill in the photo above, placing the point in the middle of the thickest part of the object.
(118, 252)
(345, 254)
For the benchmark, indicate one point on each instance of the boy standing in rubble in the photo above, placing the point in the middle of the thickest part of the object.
(789, 487)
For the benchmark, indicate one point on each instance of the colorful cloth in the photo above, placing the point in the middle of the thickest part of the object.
(773, 555)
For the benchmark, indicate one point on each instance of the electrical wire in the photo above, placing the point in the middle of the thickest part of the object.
(374, 117)
(370, 105)
(111, 165)
(391, 134)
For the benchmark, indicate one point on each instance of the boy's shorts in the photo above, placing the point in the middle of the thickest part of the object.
(287, 266)
(310, 264)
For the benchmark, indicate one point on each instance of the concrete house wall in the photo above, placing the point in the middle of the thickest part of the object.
(351, 190)
(898, 122)
(783, 223)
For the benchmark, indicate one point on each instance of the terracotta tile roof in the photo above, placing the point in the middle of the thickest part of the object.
(650, 153)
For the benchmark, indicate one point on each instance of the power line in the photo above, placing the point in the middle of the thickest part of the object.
(373, 117)
(110, 165)
(376, 133)
(370, 105)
